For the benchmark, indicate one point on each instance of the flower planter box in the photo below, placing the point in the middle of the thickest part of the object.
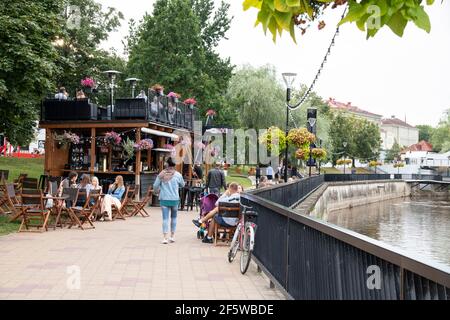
(129, 108)
(55, 110)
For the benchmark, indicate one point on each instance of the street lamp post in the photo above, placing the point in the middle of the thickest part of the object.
(289, 79)
(312, 120)
(344, 144)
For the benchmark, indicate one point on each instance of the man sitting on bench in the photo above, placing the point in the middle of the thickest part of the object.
(230, 196)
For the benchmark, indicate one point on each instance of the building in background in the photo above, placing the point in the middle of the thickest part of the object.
(354, 110)
(394, 129)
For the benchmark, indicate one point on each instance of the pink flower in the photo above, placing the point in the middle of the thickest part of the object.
(113, 138)
(144, 144)
(210, 113)
(190, 101)
(88, 82)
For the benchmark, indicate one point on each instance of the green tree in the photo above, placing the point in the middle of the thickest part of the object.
(256, 98)
(441, 135)
(175, 46)
(27, 63)
(78, 44)
(371, 15)
(354, 138)
(394, 152)
(425, 132)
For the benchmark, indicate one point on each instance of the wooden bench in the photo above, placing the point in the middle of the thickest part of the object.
(226, 210)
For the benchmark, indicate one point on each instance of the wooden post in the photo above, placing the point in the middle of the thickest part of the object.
(49, 149)
(93, 156)
(137, 177)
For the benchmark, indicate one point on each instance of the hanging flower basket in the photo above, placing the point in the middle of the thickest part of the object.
(144, 144)
(302, 153)
(112, 138)
(174, 96)
(318, 154)
(63, 140)
(274, 139)
(300, 137)
(88, 84)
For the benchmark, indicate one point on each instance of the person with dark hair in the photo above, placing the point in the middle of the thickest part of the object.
(69, 182)
(168, 183)
(216, 180)
(80, 94)
(62, 94)
(198, 172)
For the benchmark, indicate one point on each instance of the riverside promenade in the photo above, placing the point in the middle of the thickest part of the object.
(124, 260)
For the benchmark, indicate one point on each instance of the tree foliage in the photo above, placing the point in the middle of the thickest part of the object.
(354, 138)
(425, 132)
(27, 63)
(256, 98)
(369, 15)
(441, 135)
(78, 45)
(175, 46)
(393, 153)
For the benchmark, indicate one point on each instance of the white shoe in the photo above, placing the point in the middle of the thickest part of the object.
(164, 241)
(171, 240)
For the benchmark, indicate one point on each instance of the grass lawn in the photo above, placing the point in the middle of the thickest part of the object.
(329, 170)
(8, 227)
(33, 166)
(246, 183)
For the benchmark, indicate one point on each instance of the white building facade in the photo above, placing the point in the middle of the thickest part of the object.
(394, 129)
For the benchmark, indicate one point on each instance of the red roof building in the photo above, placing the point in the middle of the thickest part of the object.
(421, 146)
(354, 110)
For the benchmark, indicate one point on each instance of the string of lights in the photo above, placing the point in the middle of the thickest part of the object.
(311, 87)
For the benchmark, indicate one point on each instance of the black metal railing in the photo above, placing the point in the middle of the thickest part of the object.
(159, 109)
(355, 177)
(311, 259)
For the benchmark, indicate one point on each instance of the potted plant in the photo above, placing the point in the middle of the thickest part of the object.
(399, 165)
(158, 89)
(174, 96)
(318, 154)
(374, 164)
(191, 102)
(144, 144)
(128, 149)
(88, 84)
(300, 137)
(112, 138)
(63, 140)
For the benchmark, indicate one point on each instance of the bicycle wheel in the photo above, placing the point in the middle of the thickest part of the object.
(246, 254)
(234, 245)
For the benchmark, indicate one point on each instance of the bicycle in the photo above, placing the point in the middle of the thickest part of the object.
(244, 238)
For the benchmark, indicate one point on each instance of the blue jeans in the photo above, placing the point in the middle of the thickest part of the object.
(173, 218)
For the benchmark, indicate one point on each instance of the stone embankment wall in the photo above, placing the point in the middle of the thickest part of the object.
(337, 196)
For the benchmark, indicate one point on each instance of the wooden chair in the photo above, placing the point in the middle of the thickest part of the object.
(33, 210)
(19, 181)
(130, 205)
(83, 212)
(139, 206)
(226, 210)
(71, 203)
(120, 213)
(13, 202)
(30, 183)
(95, 202)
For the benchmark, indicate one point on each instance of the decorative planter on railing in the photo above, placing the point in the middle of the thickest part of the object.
(54, 110)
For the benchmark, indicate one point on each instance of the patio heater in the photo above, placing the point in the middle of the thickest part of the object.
(112, 74)
(133, 82)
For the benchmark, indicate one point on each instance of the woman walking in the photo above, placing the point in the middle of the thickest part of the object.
(168, 182)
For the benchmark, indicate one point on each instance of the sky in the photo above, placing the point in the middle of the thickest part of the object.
(407, 77)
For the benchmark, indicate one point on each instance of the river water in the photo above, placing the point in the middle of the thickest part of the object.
(418, 226)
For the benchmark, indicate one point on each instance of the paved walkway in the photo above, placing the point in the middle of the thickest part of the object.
(124, 260)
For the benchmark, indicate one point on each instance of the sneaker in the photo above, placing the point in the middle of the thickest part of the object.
(207, 240)
(164, 241)
(197, 223)
(171, 240)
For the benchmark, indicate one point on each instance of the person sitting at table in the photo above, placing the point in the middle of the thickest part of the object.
(80, 94)
(232, 195)
(95, 186)
(114, 196)
(69, 182)
(62, 94)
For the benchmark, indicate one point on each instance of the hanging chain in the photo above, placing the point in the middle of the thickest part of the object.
(311, 87)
